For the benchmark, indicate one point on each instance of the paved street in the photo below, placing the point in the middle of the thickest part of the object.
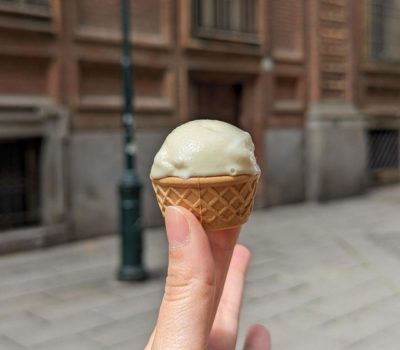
(322, 277)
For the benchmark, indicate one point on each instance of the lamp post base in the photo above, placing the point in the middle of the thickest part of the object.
(132, 273)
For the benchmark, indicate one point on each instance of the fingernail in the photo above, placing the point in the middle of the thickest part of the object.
(178, 230)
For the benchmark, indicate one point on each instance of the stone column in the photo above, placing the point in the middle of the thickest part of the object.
(336, 153)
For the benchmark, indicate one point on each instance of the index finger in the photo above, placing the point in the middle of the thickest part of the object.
(222, 244)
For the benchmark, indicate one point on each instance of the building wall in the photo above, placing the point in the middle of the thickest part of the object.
(95, 171)
(305, 76)
(285, 173)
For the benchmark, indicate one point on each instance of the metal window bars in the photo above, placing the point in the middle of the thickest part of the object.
(384, 149)
(225, 19)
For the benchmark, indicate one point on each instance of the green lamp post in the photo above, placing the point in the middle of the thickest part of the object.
(131, 265)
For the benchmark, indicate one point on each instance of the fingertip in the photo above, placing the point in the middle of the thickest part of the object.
(257, 338)
(187, 240)
(177, 226)
(240, 257)
(190, 217)
(242, 251)
(173, 210)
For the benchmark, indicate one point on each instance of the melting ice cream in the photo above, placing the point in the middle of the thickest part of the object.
(203, 148)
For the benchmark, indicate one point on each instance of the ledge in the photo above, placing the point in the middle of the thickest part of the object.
(334, 111)
(114, 103)
(392, 111)
(22, 239)
(31, 20)
(113, 37)
(288, 107)
(24, 102)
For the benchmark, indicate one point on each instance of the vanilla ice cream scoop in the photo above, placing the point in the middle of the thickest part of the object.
(205, 148)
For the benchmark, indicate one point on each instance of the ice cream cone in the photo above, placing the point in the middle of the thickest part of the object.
(219, 202)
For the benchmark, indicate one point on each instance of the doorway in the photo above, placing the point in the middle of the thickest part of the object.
(215, 100)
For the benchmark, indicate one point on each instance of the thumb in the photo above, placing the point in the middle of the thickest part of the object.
(185, 312)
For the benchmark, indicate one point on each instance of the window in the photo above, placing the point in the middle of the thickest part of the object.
(34, 8)
(385, 30)
(225, 19)
(40, 3)
(384, 150)
(45, 3)
(19, 183)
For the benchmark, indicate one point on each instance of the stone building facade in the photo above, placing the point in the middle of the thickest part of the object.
(316, 83)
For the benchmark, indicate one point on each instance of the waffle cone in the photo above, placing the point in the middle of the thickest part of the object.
(218, 202)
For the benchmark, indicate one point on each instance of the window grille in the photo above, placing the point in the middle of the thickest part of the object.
(225, 19)
(384, 149)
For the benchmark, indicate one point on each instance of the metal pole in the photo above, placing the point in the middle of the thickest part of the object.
(131, 264)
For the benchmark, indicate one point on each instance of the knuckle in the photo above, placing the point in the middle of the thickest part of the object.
(181, 285)
(230, 308)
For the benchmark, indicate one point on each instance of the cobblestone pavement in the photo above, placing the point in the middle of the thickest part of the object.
(322, 277)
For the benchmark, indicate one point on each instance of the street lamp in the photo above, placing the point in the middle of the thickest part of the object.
(131, 265)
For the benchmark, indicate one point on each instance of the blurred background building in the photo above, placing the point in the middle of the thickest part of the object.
(316, 83)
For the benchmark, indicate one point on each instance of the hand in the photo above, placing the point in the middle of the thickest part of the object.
(197, 311)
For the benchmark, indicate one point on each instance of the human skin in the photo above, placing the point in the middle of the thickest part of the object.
(203, 291)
